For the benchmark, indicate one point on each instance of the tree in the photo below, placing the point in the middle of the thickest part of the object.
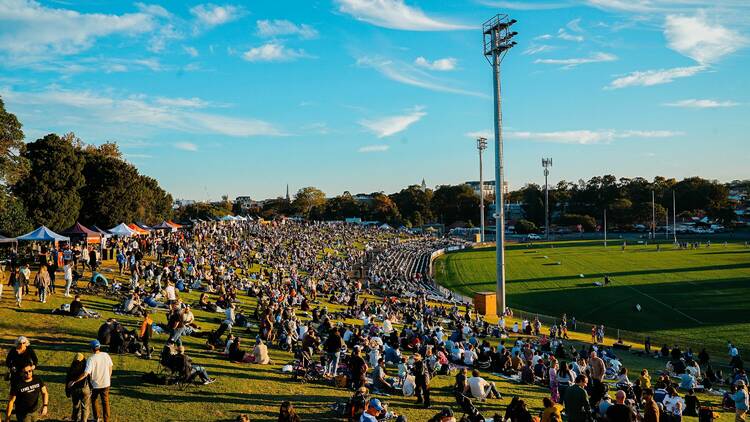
(384, 209)
(308, 198)
(50, 190)
(342, 207)
(587, 222)
(453, 203)
(533, 204)
(13, 165)
(525, 226)
(413, 200)
(111, 194)
(13, 218)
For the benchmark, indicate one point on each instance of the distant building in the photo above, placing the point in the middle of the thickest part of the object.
(179, 203)
(246, 203)
(361, 197)
(424, 186)
(489, 187)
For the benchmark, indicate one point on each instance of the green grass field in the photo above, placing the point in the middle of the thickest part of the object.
(698, 295)
(241, 388)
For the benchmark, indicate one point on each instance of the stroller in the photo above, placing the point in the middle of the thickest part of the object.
(306, 369)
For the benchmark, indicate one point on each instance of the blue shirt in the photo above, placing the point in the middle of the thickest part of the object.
(366, 417)
(740, 400)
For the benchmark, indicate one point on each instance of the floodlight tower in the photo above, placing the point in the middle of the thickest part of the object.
(546, 164)
(497, 41)
(481, 146)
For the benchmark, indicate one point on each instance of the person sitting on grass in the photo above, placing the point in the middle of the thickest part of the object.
(260, 353)
(551, 412)
(692, 404)
(287, 413)
(380, 380)
(479, 387)
(189, 372)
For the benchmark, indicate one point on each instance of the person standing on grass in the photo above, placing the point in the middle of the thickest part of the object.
(80, 392)
(25, 274)
(650, 408)
(14, 281)
(577, 401)
(42, 282)
(598, 369)
(740, 401)
(421, 373)
(25, 395)
(68, 277)
(99, 368)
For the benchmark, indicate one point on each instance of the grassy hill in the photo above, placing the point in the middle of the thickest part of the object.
(698, 295)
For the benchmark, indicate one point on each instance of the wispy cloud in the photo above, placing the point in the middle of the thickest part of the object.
(374, 148)
(191, 51)
(589, 137)
(518, 5)
(209, 15)
(442, 65)
(536, 49)
(136, 111)
(395, 14)
(186, 146)
(705, 103)
(273, 51)
(30, 31)
(695, 37)
(565, 35)
(700, 39)
(573, 62)
(655, 77)
(410, 75)
(391, 125)
(279, 27)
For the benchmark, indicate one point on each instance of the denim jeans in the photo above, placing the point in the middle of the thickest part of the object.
(81, 403)
(177, 334)
(333, 363)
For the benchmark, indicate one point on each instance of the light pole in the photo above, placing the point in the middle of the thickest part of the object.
(497, 41)
(481, 146)
(546, 163)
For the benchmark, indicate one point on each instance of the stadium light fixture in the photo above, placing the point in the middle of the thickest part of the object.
(496, 42)
(481, 146)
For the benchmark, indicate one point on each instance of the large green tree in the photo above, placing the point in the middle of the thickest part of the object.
(413, 204)
(50, 191)
(13, 165)
(308, 198)
(454, 203)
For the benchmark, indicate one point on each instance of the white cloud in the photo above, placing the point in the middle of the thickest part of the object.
(154, 10)
(395, 14)
(536, 49)
(163, 36)
(278, 27)
(443, 65)
(374, 148)
(517, 5)
(186, 146)
(136, 111)
(575, 25)
(589, 137)
(391, 125)
(655, 77)
(30, 31)
(544, 37)
(571, 63)
(411, 75)
(191, 51)
(210, 15)
(695, 103)
(273, 52)
(701, 40)
(564, 35)
(639, 6)
(194, 102)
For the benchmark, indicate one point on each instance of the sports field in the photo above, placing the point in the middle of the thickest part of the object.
(700, 295)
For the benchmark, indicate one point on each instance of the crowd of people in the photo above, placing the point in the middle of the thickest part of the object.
(307, 279)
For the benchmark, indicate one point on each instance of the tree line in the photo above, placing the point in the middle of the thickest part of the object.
(58, 180)
(627, 201)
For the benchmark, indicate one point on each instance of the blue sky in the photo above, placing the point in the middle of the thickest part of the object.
(241, 98)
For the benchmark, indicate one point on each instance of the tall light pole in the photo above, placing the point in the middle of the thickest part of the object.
(481, 146)
(546, 163)
(497, 41)
(653, 216)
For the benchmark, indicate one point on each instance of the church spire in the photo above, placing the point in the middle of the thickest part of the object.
(287, 191)
(424, 185)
